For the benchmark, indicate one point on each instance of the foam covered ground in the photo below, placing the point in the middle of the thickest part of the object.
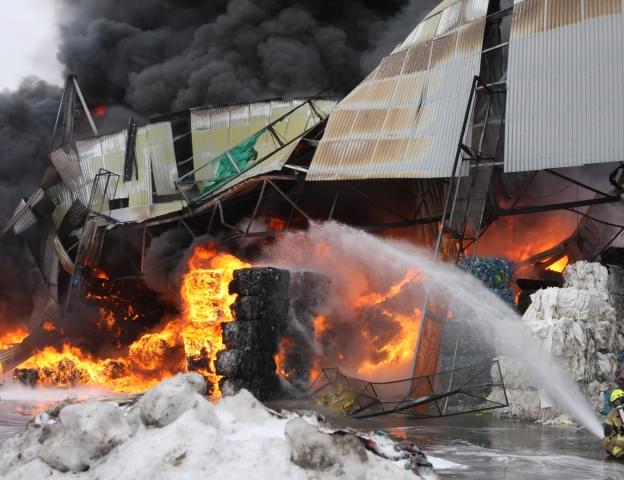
(173, 432)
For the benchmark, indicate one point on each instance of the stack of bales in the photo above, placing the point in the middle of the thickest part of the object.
(308, 293)
(578, 325)
(252, 339)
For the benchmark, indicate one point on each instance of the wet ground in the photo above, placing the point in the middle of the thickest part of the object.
(484, 448)
(490, 448)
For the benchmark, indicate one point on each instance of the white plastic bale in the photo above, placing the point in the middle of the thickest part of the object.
(580, 329)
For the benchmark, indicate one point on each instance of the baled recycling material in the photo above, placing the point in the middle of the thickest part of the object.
(495, 273)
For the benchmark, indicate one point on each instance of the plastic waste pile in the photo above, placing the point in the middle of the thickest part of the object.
(578, 325)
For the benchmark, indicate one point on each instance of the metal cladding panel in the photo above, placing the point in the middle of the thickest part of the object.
(65, 160)
(405, 120)
(217, 130)
(140, 191)
(23, 218)
(565, 98)
(108, 153)
(162, 155)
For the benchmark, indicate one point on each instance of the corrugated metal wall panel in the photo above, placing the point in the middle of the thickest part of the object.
(216, 130)
(65, 160)
(407, 124)
(564, 102)
(162, 155)
(25, 219)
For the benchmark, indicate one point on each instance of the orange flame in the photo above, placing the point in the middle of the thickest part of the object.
(191, 341)
(206, 303)
(276, 224)
(286, 344)
(12, 337)
(560, 265)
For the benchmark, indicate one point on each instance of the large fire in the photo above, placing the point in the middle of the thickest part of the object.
(518, 238)
(372, 335)
(190, 341)
(206, 303)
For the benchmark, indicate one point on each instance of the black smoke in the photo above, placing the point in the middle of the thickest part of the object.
(26, 122)
(158, 56)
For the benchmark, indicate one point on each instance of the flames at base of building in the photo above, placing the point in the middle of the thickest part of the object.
(189, 341)
(192, 339)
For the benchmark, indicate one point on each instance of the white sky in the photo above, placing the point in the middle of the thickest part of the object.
(28, 42)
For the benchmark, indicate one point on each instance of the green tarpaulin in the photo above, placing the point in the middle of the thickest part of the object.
(241, 155)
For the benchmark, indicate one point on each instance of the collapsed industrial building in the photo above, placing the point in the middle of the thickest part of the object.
(455, 142)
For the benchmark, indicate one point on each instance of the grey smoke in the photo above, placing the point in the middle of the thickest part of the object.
(163, 258)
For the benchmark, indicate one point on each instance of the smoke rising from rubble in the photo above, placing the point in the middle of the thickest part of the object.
(161, 55)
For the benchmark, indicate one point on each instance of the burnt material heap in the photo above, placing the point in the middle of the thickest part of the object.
(252, 339)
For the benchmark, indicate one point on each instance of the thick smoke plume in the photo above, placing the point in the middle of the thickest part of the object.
(156, 56)
(160, 55)
(26, 121)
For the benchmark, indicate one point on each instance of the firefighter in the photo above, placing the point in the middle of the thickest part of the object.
(614, 425)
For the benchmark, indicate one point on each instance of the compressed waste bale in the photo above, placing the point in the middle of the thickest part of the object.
(27, 376)
(494, 272)
(266, 310)
(616, 288)
(578, 325)
(235, 363)
(252, 340)
(613, 256)
(266, 282)
(308, 294)
(240, 335)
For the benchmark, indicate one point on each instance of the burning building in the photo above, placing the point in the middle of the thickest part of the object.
(480, 133)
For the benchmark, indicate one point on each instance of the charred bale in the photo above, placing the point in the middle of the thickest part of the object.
(265, 282)
(308, 294)
(235, 364)
(252, 340)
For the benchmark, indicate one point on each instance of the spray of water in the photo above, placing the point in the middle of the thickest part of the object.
(342, 246)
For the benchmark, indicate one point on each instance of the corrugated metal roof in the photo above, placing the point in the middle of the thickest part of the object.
(405, 120)
(565, 102)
